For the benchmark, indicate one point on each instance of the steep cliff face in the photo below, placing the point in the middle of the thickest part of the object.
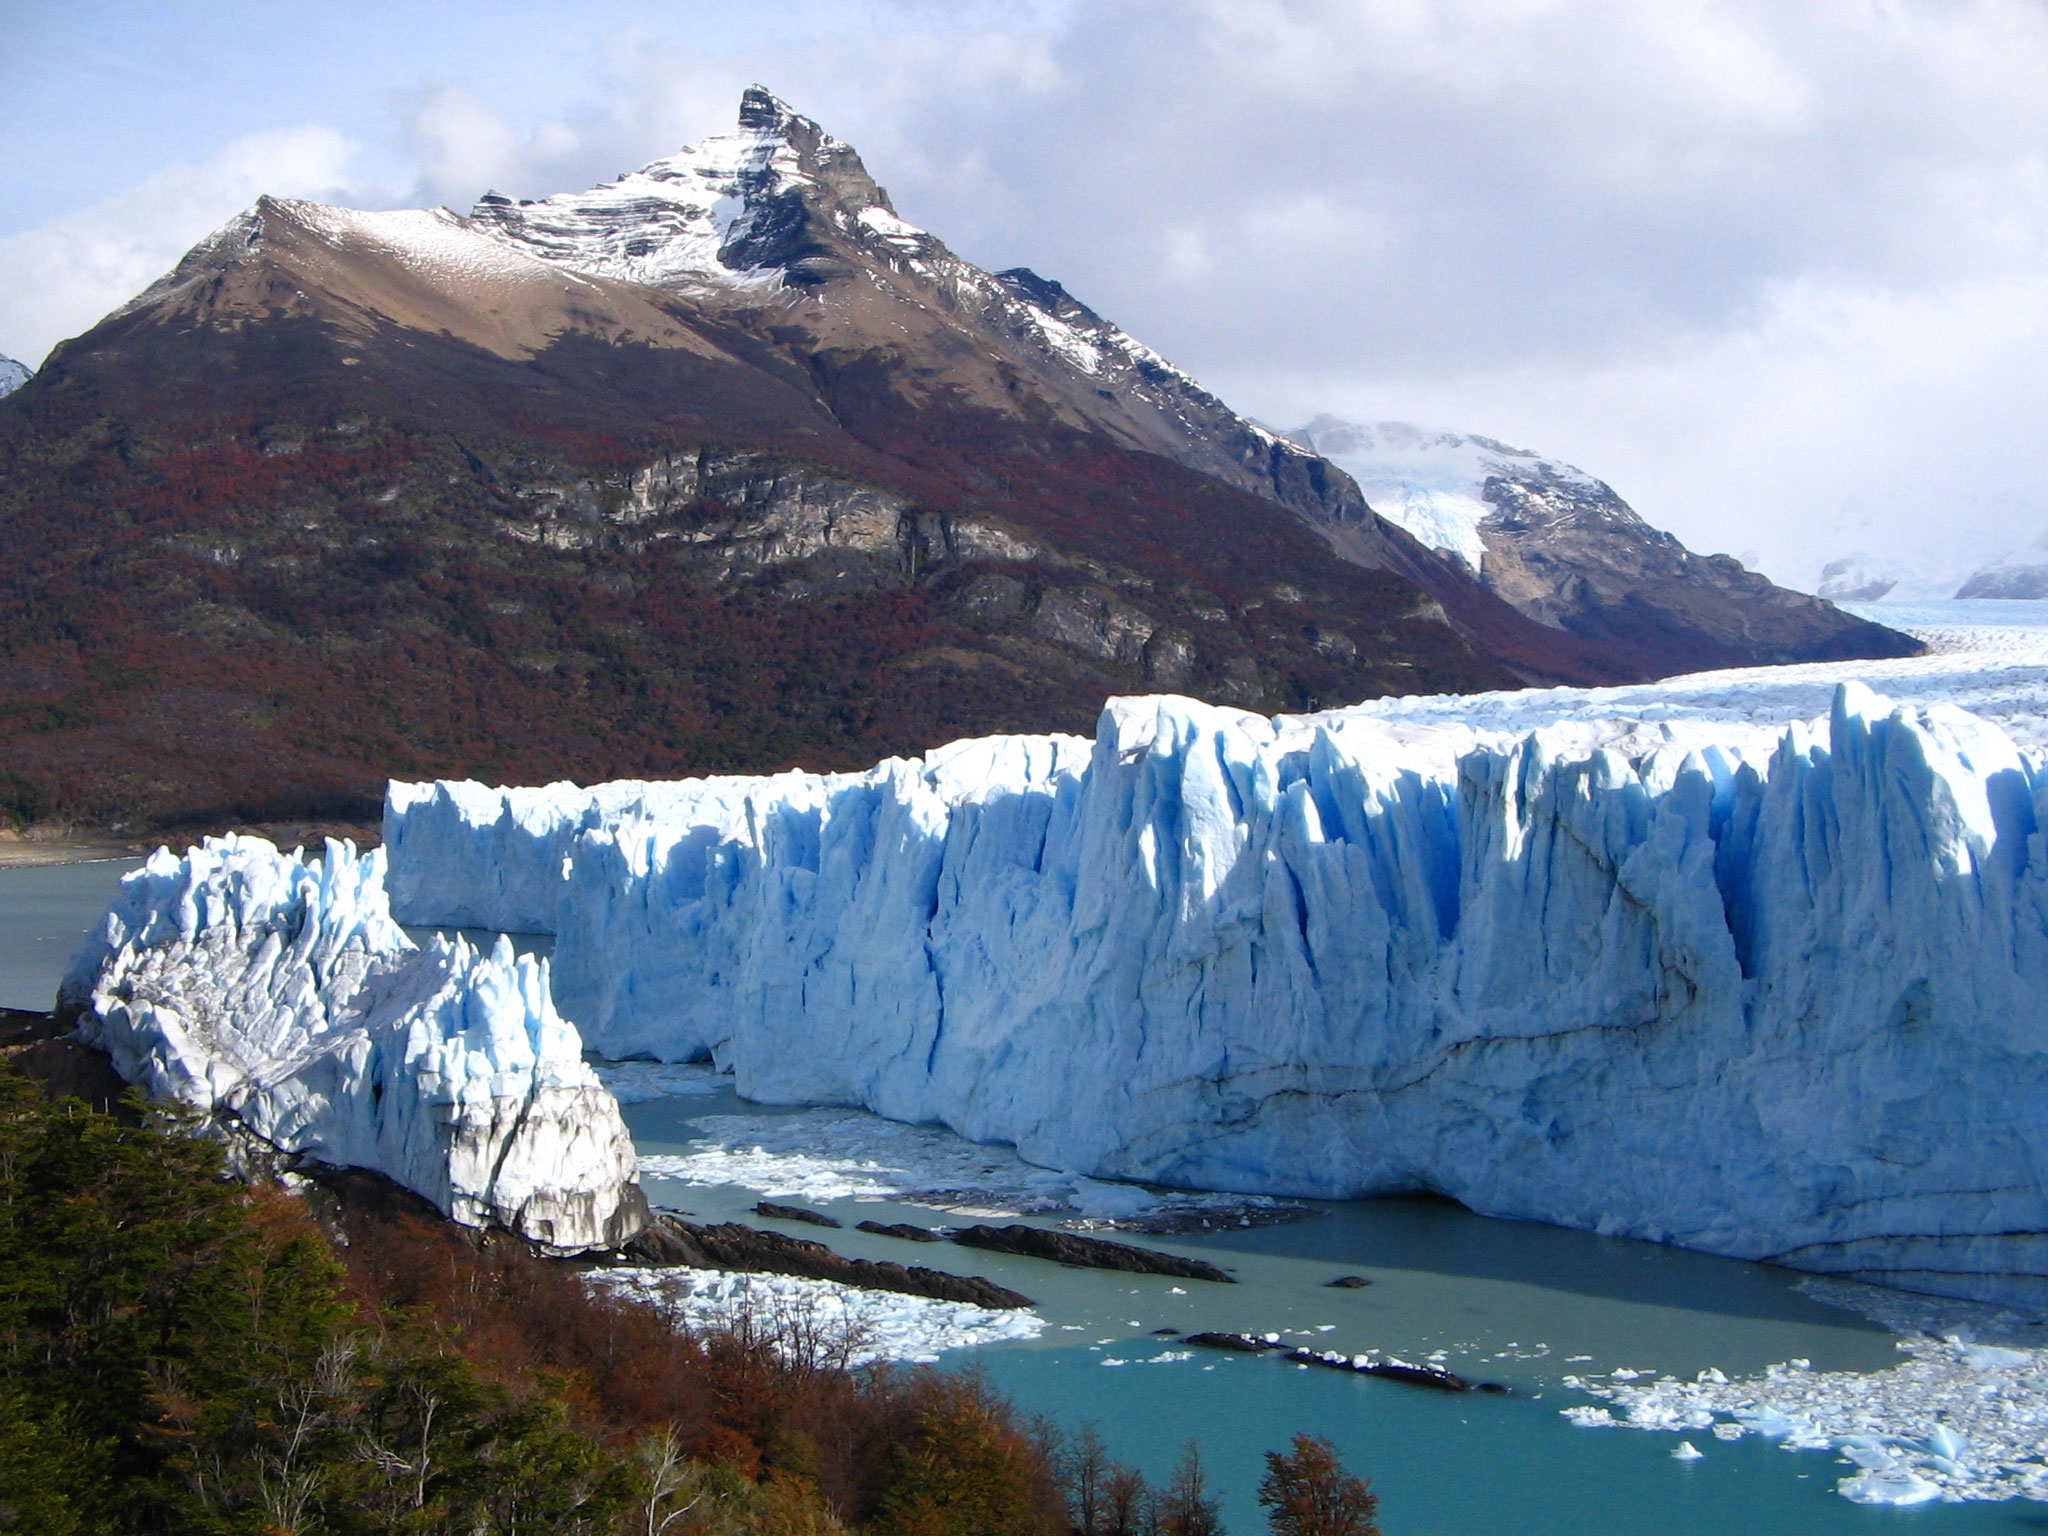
(1768, 993)
(274, 993)
(1567, 551)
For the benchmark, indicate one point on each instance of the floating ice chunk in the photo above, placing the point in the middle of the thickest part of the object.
(1892, 1485)
(1685, 1450)
(640, 1082)
(1947, 1444)
(1990, 1357)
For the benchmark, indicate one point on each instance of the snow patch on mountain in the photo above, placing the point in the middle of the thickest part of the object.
(13, 375)
(1679, 976)
(1435, 484)
(696, 217)
(274, 992)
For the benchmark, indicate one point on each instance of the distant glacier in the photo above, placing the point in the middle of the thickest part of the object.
(1667, 967)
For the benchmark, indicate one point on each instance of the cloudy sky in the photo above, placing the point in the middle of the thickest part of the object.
(1774, 270)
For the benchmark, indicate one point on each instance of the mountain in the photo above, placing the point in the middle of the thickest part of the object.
(2007, 580)
(721, 465)
(12, 375)
(1962, 558)
(1567, 551)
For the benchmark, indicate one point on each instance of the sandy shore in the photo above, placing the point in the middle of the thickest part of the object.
(19, 851)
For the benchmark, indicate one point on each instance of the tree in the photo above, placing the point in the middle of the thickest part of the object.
(1310, 1493)
(964, 1472)
(1185, 1508)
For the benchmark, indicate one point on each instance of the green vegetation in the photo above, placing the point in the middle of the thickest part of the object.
(184, 1352)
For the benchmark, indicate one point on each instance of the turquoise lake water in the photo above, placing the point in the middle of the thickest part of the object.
(1503, 1301)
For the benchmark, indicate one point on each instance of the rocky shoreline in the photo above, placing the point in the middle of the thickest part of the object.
(1088, 1252)
(668, 1241)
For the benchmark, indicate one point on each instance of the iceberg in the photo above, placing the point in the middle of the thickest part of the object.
(1762, 989)
(275, 993)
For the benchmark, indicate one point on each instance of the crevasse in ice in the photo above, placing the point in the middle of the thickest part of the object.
(275, 990)
(1769, 993)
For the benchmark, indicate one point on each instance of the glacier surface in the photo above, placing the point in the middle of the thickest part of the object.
(1697, 975)
(274, 991)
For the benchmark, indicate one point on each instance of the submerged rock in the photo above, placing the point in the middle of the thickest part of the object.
(1237, 1343)
(1087, 1252)
(795, 1213)
(902, 1229)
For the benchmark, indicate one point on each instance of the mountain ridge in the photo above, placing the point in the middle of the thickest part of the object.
(348, 496)
(1563, 548)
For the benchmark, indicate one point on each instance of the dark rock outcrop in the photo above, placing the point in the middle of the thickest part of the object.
(1236, 1343)
(729, 1245)
(1087, 1252)
(1348, 1283)
(795, 1213)
(902, 1229)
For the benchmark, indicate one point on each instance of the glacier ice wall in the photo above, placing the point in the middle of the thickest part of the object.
(275, 990)
(1777, 995)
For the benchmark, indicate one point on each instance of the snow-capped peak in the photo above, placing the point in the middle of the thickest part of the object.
(1441, 486)
(13, 375)
(726, 212)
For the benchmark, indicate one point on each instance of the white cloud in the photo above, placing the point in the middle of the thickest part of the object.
(57, 280)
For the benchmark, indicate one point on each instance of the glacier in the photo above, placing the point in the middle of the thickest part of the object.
(275, 993)
(1764, 988)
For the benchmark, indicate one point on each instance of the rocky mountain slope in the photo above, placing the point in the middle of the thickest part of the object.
(1567, 551)
(721, 465)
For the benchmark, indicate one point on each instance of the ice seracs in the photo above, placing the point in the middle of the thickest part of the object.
(1770, 991)
(274, 992)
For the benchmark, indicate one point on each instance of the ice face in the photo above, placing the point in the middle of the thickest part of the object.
(1767, 992)
(276, 990)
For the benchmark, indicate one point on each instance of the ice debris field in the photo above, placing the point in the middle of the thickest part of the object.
(839, 1154)
(1963, 1416)
(844, 1323)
